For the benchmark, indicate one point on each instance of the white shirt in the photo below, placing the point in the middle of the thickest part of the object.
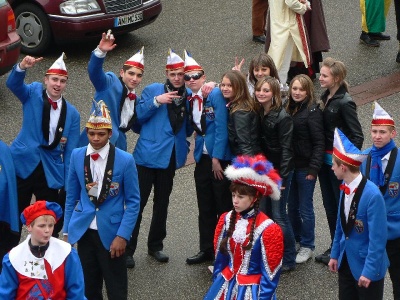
(98, 168)
(197, 114)
(349, 198)
(385, 161)
(54, 117)
(127, 110)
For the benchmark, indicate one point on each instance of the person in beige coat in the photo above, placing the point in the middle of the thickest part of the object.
(288, 35)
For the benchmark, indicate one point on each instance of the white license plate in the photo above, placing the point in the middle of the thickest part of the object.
(128, 19)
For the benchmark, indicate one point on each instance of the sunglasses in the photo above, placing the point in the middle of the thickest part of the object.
(193, 76)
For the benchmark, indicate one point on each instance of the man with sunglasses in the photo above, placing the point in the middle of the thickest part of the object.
(208, 116)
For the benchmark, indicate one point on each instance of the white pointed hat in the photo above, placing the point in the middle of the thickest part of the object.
(344, 150)
(174, 61)
(137, 60)
(100, 116)
(191, 64)
(381, 117)
(58, 67)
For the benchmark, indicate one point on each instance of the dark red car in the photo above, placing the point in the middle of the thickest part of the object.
(39, 22)
(10, 43)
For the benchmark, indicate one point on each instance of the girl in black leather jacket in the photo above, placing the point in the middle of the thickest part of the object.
(308, 147)
(340, 111)
(276, 143)
(243, 123)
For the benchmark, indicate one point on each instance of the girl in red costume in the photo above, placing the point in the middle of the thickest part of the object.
(248, 245)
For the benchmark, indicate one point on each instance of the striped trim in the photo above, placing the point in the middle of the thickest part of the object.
(175, 66)
(383, 122)
(303, 37)
(193, 68)
(345, 158)
(134, 64)
(57, 72)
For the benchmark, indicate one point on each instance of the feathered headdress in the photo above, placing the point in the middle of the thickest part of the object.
(257, 172)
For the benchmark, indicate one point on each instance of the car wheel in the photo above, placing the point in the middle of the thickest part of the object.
(33, 27)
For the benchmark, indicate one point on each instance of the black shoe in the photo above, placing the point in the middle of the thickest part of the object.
(379, 36)
(324, 257)
(369, 41)
(259, 39)
(159, 256)
(130, 262)
(287, 269)
(398, 57)
(200, 257)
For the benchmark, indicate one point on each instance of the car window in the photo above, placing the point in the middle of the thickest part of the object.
(2, 2)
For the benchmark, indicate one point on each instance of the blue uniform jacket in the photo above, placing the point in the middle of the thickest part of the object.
(26, 149)
(216, 133)
(8, 189)
(116, 215)
(109, 89)
(154, 146)
(366, 242)
(392, 198)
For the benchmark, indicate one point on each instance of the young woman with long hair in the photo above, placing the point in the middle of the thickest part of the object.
(308, 150)
(243, 124)
(276, 144)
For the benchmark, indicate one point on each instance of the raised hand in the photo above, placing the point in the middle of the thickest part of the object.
(107, 42)
(29, 62)
(238, 65)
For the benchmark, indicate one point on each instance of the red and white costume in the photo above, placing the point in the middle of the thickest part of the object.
(57, 275)
(247, 274)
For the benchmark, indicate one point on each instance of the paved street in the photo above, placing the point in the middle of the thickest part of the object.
(214, 32)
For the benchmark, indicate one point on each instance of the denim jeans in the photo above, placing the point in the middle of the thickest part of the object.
(301, 208)
(330, 195)
(277, 210)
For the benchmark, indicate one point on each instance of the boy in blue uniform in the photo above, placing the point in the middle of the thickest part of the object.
(209, 117)
(382, 167)
(9, 224)
(160, 150)
(358, 249)
(118, 93)
(50, 131)
(101, 208)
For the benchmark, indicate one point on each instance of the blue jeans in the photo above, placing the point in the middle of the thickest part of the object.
(301, 208)
(330, 195)
(278, 212)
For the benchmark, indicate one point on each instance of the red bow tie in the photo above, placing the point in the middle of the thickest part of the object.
(200, 101)
(53, 103)
(131, 96)
(345, 189)
(94, 156)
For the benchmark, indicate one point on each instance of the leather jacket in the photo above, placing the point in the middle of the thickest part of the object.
(340, 111)
(244, 132)
(276, 140)
(308, 138)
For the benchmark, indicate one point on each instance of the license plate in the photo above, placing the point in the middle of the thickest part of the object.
(128, 19)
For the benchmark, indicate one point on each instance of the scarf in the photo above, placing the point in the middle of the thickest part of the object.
(181, 92)
(376, 174)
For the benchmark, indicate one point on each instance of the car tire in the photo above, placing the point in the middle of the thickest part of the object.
(33, 27)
